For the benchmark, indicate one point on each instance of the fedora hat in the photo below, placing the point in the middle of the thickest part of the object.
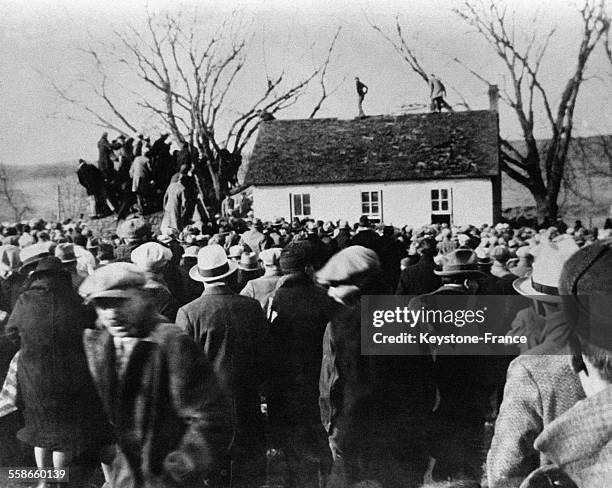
(50, 264)
(459, 262)
(212, 265)
(32, 254)
(235, 252)
(248, 262)
(543, 283)
(191, 252)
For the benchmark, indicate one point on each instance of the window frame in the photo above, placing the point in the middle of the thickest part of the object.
(298, 198)
(369, 203)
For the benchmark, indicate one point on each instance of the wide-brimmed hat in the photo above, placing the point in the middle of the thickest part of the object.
(212, 265)
(65, 253)
(235, 252)
(248, 262)
(51, 265)
(191, 252)
(112, 281)
(543, 283)
(32, 254)
(459, 262)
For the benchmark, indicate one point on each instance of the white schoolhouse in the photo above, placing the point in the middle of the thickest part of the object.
(408, 169)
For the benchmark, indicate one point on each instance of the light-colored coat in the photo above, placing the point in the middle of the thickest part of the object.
(261, 288)
(580, 441)
(539, 388)
(140, 172)
(175, 207)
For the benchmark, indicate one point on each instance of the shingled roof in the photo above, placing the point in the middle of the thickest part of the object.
(383, 148)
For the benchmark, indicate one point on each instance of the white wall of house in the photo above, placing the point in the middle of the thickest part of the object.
(470, 201)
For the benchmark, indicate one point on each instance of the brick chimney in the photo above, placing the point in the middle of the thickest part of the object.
(493, 98)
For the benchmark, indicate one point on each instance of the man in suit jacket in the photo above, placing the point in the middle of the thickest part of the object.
(157, 389)
(232, 331)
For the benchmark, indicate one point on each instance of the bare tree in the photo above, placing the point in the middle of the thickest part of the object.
(541, 171)
(13, 198)
(186, 75)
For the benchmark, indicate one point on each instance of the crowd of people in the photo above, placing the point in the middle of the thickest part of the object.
(133, 175)
(228, 354)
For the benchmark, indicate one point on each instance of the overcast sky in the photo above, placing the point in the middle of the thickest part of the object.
(40, 41)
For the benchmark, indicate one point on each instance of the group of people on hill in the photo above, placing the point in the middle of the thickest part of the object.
(135, 175)
(229, 354)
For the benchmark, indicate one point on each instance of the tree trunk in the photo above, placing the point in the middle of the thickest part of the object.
(546, 208)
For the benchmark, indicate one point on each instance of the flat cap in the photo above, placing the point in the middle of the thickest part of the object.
(112, 280)
(585, 285)
(349, 264)
(151, 256)
(133, 228)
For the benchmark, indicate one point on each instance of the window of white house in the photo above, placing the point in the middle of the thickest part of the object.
(441, 206)
(371, 204)
(301, 205)
(440, 201)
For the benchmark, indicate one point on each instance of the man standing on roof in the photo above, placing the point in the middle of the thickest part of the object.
(437, 92)
(362, 89)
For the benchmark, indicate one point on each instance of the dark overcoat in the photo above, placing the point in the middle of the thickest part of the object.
(105, 162)
(300, 313)
(373, 407)
(62, 412)
(232, 331)
(167, 410)
(419, 278)
(91, 179)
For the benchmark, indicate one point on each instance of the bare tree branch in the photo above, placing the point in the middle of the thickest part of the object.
(324, 93)
(186, 73)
